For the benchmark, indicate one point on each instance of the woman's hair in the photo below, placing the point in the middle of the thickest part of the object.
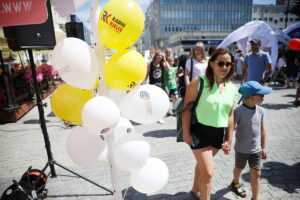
(155, 56)
(202, 50)
(209, 71)
(211, 51)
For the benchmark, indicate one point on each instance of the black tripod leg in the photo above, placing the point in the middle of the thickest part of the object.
(104, 188)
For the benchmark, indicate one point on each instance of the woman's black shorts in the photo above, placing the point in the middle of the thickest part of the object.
(208, 136)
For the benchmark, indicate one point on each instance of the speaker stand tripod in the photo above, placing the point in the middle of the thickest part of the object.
(51, 162)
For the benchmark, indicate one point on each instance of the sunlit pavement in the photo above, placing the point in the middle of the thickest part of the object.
(22, 145)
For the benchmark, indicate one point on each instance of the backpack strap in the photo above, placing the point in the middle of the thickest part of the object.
(192, 67)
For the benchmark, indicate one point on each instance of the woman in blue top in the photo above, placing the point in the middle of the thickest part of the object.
(214, 114)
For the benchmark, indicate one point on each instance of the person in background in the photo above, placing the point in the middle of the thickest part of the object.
(155, 72)
(210, 51)
(180, 74)
(197, 64)
(215, 118)
(171, 83)
(292, 69)
(257, 64)
(239, 62)
(250, 145)
(168, 53)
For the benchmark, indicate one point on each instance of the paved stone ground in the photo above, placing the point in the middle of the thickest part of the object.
(22, 145)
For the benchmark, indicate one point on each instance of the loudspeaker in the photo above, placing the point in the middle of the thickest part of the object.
(35, 36)
(75, 29)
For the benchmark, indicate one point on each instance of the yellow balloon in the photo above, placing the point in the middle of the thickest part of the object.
(121, 23)
(67, 103)
(125, 69)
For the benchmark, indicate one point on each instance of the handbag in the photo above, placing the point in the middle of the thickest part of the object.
(179, 108)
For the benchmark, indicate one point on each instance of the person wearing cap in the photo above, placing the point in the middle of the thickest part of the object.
(257, 64)
(250, 144)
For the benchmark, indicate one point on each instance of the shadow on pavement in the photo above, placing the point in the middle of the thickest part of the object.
(33, 121)
(161, 133)
(132, 194)
(290, 95)
(273, 106)
(280, 175)
(51, 114)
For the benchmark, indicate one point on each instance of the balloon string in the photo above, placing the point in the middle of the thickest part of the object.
(125, 194)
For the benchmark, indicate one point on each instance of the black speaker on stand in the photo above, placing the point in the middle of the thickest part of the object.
(39, 36)
(35, 36)
(75, 29)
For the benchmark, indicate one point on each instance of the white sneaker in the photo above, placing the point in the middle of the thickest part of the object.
(161, 121)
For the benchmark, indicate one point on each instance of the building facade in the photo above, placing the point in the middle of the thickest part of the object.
(168, 17)
(180, 23)
(275, 14)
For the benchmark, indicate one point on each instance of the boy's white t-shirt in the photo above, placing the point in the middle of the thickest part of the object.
(198, 68)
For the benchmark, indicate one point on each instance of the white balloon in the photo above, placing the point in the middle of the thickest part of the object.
(84, 148)
(75, 62)
(116, 95)
(151, 177)
(131, 152)
(145, 104)
(122, 128)
(103, 155)
(99, 115)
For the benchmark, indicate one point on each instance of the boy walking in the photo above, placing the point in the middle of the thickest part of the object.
(250, 144)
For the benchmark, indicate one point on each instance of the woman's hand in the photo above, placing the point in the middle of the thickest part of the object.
(226, 146)
(187, 139)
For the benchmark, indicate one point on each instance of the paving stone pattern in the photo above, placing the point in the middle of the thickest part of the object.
(22, 145)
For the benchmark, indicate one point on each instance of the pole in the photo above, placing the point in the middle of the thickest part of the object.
(287, 13)
(41, 115)
(103, 90)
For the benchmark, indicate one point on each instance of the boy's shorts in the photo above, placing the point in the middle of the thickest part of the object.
(254, 160)
(173, 92)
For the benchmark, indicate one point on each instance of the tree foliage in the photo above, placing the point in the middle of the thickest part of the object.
(295, 9)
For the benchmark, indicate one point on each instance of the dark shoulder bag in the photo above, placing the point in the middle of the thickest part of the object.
(180, 108)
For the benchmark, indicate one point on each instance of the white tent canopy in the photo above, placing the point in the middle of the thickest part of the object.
(293, 30)
(269, 36)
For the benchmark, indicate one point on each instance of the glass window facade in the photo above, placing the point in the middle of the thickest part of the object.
(201, 15)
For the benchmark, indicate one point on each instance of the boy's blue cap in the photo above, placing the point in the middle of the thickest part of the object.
(252, 88)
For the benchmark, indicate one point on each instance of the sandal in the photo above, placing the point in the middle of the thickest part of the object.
(195, 194)
(238, 189)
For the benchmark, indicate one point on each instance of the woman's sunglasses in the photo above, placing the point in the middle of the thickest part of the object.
(227, 64)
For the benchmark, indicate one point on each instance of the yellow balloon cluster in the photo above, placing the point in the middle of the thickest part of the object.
(67, 103)
(120, 24)
(125, 69)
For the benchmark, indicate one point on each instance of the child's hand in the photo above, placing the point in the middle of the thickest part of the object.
(226, 147)
(264, 154)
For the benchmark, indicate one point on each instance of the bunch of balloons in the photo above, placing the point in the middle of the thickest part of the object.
(120, 24)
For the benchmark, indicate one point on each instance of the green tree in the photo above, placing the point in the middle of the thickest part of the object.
(295, 9)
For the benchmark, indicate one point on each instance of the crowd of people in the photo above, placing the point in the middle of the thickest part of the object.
(216, 111)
